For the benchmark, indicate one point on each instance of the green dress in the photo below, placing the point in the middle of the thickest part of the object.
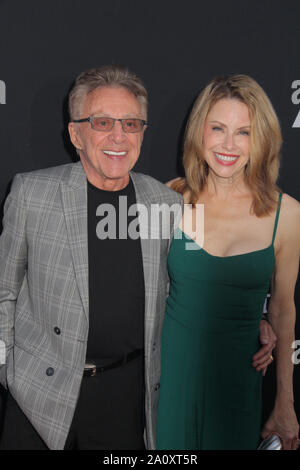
(210, 395)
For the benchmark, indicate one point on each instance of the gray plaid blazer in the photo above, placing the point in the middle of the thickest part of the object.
(44, 285)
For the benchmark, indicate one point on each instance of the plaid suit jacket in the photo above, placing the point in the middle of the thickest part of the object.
(44, 285)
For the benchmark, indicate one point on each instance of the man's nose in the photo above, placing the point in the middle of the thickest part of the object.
(117, 134)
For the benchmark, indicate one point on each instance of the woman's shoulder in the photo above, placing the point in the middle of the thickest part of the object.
(290, 207)
(179, 185)
(289, 218)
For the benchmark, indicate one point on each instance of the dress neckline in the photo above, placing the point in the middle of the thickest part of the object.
(229, 256)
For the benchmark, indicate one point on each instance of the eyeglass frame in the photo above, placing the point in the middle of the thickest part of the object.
(90, 120)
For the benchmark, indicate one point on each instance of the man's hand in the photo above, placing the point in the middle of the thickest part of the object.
(268, 339)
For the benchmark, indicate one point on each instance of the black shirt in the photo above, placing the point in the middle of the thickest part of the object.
(116, 280)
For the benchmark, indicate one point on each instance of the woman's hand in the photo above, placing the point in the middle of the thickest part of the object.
(283, 422)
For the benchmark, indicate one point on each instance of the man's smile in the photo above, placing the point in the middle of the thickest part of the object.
(113, 152)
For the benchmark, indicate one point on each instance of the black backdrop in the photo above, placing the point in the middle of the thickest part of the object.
(176, 47)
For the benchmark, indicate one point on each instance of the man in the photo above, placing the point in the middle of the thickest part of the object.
(81, 302)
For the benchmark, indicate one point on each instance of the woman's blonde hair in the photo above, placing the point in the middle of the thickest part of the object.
(261, 172)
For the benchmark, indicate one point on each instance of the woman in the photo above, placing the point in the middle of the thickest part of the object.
(210, 395)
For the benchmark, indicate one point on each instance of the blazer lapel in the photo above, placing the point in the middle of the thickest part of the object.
(74, 199)
(151, 258)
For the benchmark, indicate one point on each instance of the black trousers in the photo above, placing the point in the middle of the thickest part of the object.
(109, 415)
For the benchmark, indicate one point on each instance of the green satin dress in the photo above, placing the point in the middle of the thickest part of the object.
(210, 395)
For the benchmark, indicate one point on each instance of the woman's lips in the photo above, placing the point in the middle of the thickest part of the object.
(226, 159)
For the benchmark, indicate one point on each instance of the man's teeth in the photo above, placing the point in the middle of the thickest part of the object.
(225, 158)
(110, 152)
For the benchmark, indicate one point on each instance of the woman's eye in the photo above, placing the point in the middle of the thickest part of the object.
(217, 128)
(244, 132)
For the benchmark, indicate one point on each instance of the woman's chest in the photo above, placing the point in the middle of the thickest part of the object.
(225, 231)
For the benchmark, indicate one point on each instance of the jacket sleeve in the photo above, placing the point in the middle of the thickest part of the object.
(13, 264)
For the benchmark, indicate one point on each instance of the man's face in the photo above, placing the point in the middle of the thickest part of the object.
(107, 157)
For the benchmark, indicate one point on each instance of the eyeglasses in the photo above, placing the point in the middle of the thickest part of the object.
(105, 124)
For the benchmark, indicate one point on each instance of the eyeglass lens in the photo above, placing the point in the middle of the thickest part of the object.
(105, 124)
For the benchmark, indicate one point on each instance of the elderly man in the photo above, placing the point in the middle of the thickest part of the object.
(81, 301)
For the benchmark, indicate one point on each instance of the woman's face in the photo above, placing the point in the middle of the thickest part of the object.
(226, 139)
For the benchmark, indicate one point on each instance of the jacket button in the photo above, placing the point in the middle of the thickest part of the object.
(154, 347)
(57, 330)
(157, 387)
(49, 371)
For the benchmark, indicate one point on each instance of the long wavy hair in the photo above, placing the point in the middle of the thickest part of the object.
(261, 172)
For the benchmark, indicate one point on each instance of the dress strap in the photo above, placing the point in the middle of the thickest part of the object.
(277, 216)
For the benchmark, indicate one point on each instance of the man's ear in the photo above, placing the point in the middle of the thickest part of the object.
(74, 135)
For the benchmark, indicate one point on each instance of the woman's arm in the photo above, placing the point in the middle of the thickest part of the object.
(282, 316)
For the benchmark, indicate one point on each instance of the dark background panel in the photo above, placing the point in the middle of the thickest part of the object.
(176, 47)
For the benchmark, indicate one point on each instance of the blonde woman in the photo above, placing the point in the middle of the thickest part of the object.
(210, 395)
